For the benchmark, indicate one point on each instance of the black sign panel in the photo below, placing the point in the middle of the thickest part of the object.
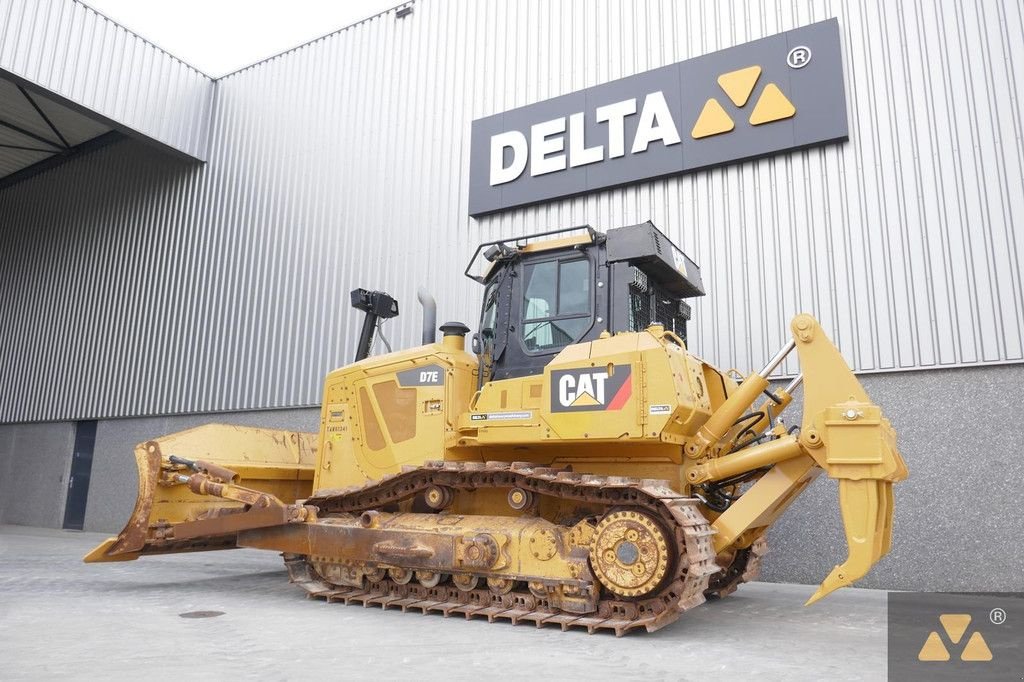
(774, 94)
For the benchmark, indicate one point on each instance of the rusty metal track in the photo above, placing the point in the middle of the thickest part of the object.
(685, 590)
(744, 568)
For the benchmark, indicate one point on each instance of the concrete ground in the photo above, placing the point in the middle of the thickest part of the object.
(62, 618)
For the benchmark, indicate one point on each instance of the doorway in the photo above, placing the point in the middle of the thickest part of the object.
(78, 481)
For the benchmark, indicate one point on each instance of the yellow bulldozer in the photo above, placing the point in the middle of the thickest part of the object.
(579, 467)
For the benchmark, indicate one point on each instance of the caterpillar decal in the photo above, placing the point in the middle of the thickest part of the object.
(591, 388)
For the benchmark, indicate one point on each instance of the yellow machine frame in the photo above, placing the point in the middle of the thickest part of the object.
(676, 423)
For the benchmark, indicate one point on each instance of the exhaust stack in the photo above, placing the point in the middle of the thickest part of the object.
(429, 315)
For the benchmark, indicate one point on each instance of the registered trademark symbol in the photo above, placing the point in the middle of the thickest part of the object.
(799, 57)
(997, 616)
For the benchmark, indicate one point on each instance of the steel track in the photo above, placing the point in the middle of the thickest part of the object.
(684, 590)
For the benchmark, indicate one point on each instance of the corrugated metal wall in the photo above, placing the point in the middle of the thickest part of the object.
(69, 49)
(133, 285)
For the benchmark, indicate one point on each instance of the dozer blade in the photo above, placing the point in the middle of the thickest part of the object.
(849, 438)
(198, 488)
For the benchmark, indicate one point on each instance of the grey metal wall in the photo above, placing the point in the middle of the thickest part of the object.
(134, 286)
(953, 520)
(73, 51)
(35, 463)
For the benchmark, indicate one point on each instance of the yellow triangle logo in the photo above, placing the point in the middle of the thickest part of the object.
(712, 121)
(976, 649)
(739, 84)
(584, 399)
(772, 105)
(933, 649)
(955, 625)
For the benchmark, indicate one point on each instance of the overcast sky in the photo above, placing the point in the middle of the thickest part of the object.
(221, 36)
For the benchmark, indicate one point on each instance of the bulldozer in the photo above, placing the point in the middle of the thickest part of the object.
(576, 466)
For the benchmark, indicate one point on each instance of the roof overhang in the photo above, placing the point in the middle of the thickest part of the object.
(36, 132)
(71, 79)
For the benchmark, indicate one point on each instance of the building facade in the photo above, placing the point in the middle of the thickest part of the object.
(197, 267)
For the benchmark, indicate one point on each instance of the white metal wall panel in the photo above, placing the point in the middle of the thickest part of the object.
(73, 51)
(133, 285)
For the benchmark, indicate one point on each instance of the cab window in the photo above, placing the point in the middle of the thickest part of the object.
(490, 311)
(556, 303)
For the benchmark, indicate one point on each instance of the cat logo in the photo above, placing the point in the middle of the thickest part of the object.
(955, 625)
(771, 105)
(590, 389)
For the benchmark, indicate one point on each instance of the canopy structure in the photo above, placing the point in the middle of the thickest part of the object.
(72, 79)
(36, 132)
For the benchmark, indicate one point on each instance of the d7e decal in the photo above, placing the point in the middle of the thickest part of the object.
(427, 375)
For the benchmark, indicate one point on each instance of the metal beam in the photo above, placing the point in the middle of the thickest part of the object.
(30, 134)
(43, 115)
(28, 149)
(60, 157)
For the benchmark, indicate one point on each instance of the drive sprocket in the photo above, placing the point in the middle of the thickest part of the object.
(630, 553)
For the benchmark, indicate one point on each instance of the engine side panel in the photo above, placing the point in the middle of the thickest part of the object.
(391, 410)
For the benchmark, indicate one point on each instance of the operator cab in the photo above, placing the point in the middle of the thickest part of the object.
(546, 291)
